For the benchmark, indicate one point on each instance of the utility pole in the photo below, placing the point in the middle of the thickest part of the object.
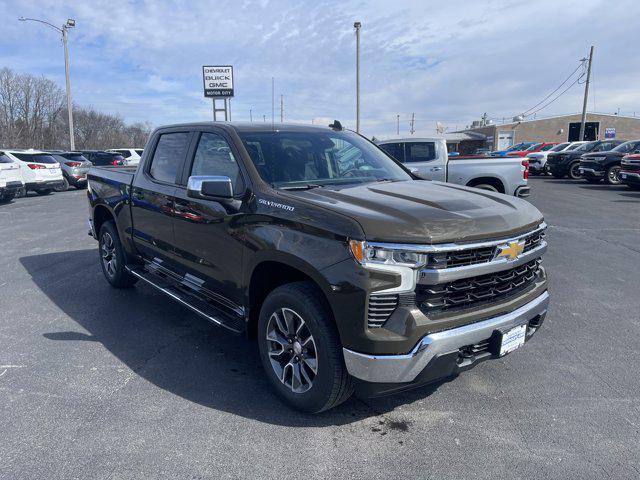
(357, 26)
(264, 118)
(70, 23)
(281, 108)
(412, 123)
(273, 101)
(586, 95)
(398, 124)
(251, 115)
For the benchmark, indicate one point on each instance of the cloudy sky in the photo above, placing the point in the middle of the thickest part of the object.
(446, 61)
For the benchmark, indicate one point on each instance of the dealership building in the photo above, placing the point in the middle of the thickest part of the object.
(562, 128)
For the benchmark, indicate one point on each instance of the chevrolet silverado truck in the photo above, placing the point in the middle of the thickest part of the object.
(428, 159)
(349, 272)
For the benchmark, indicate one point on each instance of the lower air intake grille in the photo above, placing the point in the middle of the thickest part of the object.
(380, 309)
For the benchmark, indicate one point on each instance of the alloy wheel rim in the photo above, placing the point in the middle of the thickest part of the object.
(108, 254)
(614, 175)
(575, 171)
(292, 350)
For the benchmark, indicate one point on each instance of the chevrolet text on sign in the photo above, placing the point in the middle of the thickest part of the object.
(218, 81)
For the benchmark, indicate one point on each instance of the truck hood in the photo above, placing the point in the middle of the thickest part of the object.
(425, 212)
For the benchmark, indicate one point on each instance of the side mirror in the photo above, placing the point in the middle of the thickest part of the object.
(209, 187)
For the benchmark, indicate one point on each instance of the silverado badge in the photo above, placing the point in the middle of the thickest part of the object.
(511, 250)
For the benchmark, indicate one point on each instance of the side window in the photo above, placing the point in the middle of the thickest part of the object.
(124, 153)
(420, 151)
(396, 150)
(214, 157)
(169, 154)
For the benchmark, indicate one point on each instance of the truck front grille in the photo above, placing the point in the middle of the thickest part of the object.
(476, 256)
(474, 291)
(380, 309)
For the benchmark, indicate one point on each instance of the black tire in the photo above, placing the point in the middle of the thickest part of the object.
(7, 197)
(487, 186)
(81, 186)
(110, 249)
(21, 192)
(612, 175)
(45, 191)
(331, 384)
(64, 187)
(574, 171)
(593, 179)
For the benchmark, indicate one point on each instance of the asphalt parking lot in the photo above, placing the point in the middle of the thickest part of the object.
(104, 383)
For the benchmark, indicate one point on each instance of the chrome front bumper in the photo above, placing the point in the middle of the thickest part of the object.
(405, 368)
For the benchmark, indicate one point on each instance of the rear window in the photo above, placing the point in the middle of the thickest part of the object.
(420, 151)
(139, 152)
(76, 157)
(35, 157)
(124, 153)
(5, 159)
(168, 157)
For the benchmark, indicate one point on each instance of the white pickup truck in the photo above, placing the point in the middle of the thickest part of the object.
(427, 157)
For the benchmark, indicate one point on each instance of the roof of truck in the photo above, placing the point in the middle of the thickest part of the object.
(255, 126)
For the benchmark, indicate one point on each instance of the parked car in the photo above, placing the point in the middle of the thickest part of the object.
(536, 147)
(101, 158)
(39, 171)
(481, 151)
(561, 164)
(596, 166)
(74, 168)
(512, 148)
(348, 271)
(10, 178)
(537, 160)
(630, 171)
(131, 155)
(427, 157)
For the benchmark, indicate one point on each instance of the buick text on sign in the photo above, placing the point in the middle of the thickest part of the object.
(218, 81)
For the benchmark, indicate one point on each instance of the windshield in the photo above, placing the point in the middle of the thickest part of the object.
(519, 146)
(533, 147)
(560, 146)
(627, 147)
(35, 157)
(574, 146)
(315, 159)
(586, 147)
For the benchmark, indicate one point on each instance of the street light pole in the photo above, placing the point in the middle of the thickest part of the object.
(69, 24)
(357, 26)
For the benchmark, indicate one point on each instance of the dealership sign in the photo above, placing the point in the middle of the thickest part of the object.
(218, 81)
(609, 133)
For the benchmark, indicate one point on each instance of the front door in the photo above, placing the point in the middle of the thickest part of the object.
(428, 159)
(153, 196)
(208, 236)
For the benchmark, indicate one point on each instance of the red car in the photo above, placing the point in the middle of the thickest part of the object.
(630, 172)
(536, 147)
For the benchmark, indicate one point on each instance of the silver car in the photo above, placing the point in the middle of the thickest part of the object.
(74, 169)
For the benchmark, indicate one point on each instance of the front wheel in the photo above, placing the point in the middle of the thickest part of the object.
(112, 257)
(300, 349)
(612, 177)
(64, 186)
(7, 197)
(574, 171)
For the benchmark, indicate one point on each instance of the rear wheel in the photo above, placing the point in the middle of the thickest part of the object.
(45, 191)
(64, 186)
(612, 177)
(7, 197)
(300, 349)
(574, 171)
(112, 257)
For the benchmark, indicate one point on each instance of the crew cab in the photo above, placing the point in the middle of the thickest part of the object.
(630, 171)
(427, 158)
(561, 164)
(348, 271)
(10, 179)
(536, 147)
(39, 171)
(606, 165)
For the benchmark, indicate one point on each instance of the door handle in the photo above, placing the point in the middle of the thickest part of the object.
(436, 169)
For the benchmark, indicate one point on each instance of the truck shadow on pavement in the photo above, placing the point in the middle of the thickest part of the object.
(173, 348)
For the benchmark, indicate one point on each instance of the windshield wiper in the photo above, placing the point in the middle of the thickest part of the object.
(308, 186)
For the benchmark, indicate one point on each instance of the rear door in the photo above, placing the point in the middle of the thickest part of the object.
(427, 158)
(207, 243)
(153, 196)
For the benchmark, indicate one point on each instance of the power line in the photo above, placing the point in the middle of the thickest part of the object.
(556, 89)
(558, 96)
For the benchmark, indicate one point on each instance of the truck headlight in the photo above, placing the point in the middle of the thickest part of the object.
(404, 264)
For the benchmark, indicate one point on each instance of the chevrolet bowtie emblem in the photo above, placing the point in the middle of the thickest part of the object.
(511, 250)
